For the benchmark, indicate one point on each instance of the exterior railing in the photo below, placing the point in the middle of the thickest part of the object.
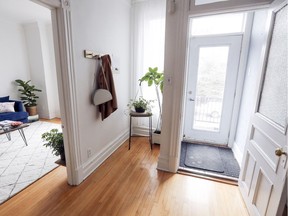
(208, 109)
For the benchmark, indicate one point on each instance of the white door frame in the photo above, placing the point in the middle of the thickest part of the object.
(234, 41)
(176, 42)
(61, 24)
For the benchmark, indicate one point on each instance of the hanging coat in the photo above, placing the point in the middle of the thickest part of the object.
(105, 81)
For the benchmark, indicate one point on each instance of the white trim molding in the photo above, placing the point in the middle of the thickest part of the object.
(175, 65)
(62, 35)
(238, 154)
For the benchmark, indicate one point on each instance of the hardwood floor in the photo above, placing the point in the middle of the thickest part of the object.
(127, 183)
(54, 120)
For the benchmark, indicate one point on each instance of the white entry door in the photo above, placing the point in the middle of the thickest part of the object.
(212, 75)
(264, 167)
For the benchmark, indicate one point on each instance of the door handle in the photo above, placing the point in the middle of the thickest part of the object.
(279, 152)
(190, 99)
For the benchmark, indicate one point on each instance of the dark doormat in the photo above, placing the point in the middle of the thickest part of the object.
(226, 158)
(204, 157)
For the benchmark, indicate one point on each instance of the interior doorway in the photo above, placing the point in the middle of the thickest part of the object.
(27, 28)
(213, 61)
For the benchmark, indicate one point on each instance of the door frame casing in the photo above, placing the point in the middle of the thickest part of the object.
(63, 46)
(176, 42)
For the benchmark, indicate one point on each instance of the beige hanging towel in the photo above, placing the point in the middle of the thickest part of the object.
(105, 81)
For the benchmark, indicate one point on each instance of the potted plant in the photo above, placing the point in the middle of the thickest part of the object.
(28, 97)
(155, 78)
(54, 140)
(140, 105)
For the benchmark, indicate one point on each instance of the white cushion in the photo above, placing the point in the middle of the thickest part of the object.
(7, 107)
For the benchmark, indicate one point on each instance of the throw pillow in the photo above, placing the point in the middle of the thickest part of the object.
(7, 107)
(4, 99)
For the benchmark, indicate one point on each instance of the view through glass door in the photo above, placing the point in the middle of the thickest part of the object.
(212, 68)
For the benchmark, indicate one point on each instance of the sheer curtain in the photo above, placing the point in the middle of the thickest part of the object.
(148, 35)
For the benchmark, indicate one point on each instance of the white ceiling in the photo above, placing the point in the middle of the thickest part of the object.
(23, 11)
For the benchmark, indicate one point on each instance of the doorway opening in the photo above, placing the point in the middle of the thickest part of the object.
(26, 28)
(214, 58)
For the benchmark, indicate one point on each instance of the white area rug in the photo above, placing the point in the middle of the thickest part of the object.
(21, 165)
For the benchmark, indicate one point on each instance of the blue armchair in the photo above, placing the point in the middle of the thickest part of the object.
(18, 115)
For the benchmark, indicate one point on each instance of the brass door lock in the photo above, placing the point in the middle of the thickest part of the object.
(279, 152)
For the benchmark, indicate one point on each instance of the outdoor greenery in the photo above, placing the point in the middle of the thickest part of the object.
(27, 91)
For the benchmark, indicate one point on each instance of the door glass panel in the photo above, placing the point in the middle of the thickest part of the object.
(218, 24)
(273, 102)
(210, 87)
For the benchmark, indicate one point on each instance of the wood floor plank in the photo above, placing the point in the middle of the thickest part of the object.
(127, 183)
(54, 120)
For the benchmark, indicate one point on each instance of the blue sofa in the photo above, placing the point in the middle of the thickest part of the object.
(18, 115)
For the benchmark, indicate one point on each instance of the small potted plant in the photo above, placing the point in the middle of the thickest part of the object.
(28, 97)
(140, 105)
(54, 140)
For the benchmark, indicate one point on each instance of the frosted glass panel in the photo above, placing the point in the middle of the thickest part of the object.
(273, 102)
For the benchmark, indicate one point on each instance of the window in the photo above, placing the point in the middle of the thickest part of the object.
(218, 24)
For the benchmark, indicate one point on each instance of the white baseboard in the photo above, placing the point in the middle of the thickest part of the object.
(95, 161)
(238, 154)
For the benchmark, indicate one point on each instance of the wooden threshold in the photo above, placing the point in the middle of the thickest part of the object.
(207, 176)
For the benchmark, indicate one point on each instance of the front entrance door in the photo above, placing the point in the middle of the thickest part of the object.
(264, 167)
(213, 67)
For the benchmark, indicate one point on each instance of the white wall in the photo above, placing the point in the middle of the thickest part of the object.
(50, 70)
(39, 41)
(102, 26)
(27, 52)
(33, 40)
(258, 38)
(14, 58)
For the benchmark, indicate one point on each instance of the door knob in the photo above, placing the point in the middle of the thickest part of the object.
(279, 152)
(190, 99)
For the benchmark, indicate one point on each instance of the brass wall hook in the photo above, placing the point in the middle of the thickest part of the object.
(91, 55)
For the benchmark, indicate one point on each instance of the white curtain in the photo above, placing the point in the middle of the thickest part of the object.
(148, 35)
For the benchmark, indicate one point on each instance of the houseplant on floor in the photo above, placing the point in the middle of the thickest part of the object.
(54, 140)
(28, 97)
(155, 78)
